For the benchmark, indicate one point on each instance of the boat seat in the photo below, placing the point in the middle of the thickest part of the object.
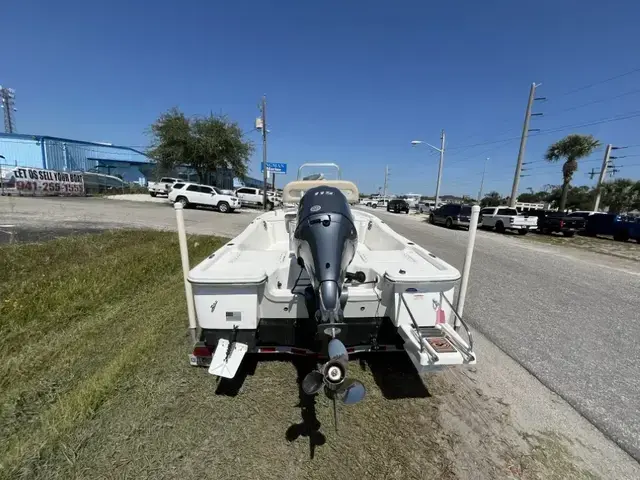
(294, 191)
(250, 266)
(415, 268)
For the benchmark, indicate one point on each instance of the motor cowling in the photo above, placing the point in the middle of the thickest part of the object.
(325, 240)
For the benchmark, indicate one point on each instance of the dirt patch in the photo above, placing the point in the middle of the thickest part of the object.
(606, 245)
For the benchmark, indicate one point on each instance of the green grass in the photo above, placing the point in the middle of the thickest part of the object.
(77, 315)
(95, 384)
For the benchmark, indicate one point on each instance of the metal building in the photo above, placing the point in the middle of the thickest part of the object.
(63, 154)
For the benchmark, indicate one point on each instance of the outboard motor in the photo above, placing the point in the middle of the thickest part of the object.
(326, 240)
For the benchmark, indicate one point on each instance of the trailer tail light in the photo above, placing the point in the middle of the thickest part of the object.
(201, 350)
(201, 355)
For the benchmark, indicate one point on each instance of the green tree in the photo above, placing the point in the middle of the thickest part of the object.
(578, 198)
(533, 197)
(491, 199)
(621, 195)
(572, 148)
(203, 143)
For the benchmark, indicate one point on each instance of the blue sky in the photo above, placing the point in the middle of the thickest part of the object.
(348, 82)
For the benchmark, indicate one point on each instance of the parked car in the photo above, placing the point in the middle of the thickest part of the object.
(626, 228)
(162, 187)
(451, 215)
(598, 223)
(568, 225)
(426, 207)
(507, 218)
(193, 194)
(254, 197)
(378, 202)
(398, 206)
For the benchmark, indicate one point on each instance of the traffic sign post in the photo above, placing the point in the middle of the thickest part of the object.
(273, 167)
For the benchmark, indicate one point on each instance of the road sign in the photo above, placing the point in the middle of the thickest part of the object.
(273, 167)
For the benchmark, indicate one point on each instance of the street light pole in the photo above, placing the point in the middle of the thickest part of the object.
(441, 150)
(484, 169)
(440, 168)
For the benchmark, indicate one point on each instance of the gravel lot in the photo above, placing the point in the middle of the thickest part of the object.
(527, 299)
(86, 213)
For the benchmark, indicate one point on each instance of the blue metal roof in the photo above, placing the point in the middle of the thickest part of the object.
(40, 138)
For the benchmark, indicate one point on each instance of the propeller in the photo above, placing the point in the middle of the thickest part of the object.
(332, 376)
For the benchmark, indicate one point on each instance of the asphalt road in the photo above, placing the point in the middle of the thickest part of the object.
(571, 318)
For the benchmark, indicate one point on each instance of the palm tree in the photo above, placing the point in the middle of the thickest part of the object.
(573, 147)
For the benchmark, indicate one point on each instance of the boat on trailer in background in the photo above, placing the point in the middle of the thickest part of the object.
(327, 281)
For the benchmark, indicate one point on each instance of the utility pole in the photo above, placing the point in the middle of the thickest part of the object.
(265, 174)
(603, 172)
(523, 143)
(440, 168)
(484, 169)
(7, 100)
(386, 177)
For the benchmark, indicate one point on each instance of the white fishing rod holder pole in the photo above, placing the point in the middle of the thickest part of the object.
(464, 281)
(184, 255)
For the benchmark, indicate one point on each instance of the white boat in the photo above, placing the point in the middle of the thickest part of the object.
(327, 281)
(413, 199)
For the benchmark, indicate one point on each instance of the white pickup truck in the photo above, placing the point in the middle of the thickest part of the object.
(506, 218)
(162, 187)
(374, 202)
(253, 197)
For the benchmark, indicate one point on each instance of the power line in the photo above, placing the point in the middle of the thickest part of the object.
(624, 116)
(576, 107)
(561, 111)
(600, 82)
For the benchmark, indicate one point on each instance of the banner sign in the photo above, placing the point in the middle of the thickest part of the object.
(36, 181)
